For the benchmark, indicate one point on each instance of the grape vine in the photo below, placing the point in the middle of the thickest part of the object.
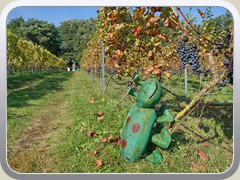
(25, 56)
(145, 40)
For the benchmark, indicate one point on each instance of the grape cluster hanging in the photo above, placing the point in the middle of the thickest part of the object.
(189, 54)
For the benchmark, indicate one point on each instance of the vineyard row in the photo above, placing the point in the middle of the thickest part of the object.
(23, 55)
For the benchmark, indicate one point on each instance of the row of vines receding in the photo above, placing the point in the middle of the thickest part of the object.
(162, 40)
(26, 56)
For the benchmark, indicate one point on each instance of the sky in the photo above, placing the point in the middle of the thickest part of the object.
(56, 15)
(53, 14)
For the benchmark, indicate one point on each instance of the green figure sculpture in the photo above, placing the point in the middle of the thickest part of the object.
(144, 124)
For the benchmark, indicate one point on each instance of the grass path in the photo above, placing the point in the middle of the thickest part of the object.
(27, 136)
(54, 126)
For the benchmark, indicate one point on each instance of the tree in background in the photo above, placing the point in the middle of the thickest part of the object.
(17, 26)
(74, 36)
(38, 32)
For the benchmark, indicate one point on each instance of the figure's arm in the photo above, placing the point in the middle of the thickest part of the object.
(132, 92)
(164, 115)
(137, 81)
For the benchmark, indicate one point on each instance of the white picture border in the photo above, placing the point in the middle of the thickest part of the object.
(114, 3)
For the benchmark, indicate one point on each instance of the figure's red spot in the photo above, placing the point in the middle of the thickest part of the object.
(135, 127)
(128, 119)
(123, 143)
(127, 159)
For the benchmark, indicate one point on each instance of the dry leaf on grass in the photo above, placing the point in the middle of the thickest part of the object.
(100, 113)
(111, 139)
(92, 100)
(91, 134)
(116, 141)
(104, 140)
(202, 155)
(198, 168)
(100, 118)
(98, 163)
(95, 153)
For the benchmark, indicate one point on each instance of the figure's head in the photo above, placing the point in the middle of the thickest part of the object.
(149, 93)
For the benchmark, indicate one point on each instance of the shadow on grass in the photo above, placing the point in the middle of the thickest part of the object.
(36, 86)
(18, 81)
(220, 115)
(178, 139)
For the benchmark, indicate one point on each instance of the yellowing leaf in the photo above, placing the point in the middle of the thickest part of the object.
(201, 13)
(136, 30)
(167, 74)
(119, 53)
(157, 44)
(150, 54)
(116, 66)
(166, 22)
(119, 26)
(137, 42)
(139, 13)
(164, 37)
(154, 19)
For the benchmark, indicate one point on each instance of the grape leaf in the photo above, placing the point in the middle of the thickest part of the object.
(201, 13)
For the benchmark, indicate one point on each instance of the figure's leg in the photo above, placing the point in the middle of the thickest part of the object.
(155, 157)
(162, 140)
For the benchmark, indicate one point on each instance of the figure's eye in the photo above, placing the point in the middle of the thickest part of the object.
(149, 83)
(145, 92)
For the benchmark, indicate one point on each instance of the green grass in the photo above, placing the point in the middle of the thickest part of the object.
(49, 115)
(27, 95)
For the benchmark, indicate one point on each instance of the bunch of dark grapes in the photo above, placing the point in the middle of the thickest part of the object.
(217, 49)
(189, 54)
(220, 46)
(229, 69)
(206, 72)
(226, 64)
(222, 84)
(226, 40)
(229, 77)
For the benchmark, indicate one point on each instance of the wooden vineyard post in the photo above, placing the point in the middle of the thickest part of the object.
(212, 64)
(185, 80)
(91, 69)
(103, 69)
